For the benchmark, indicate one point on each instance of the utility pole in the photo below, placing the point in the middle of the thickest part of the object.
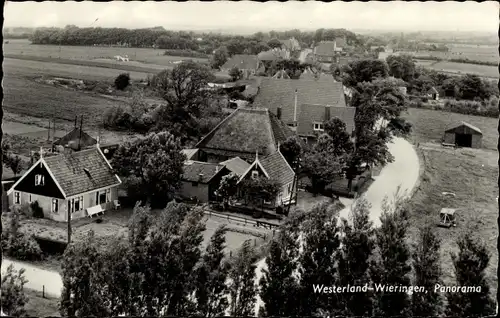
(48, 133)
(69, 223)
(81, 127)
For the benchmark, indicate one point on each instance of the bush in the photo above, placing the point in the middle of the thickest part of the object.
(36, 210)
(122, 81)
(21, 247)
(185, 53)
(489, 109)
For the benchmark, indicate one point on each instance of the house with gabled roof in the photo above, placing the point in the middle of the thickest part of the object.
(200, 180)
(243, 133)
(327, 51)
(248, 64)
(75, 184)
(274, 167)
(305, 104)
(76, 139)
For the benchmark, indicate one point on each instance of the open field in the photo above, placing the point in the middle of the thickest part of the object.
(145, 55)
(463, 68)
(482, 53)
(429, 125)
(469, 173)
(472, 175)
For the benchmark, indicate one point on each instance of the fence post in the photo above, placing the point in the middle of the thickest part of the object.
(43, 291)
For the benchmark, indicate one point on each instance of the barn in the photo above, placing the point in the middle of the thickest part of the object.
(463, 135)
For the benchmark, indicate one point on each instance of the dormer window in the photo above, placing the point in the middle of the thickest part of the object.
(255, 174)
(318, 126)
(39, 180)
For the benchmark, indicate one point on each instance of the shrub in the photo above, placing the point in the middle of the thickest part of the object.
(37, 211)
(122, 81)
(185, 53)
(21, 247)
(24, 209)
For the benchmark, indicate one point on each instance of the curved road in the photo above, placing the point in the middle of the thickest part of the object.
(403, 172)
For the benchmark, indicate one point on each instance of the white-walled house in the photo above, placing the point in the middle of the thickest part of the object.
(78, 183)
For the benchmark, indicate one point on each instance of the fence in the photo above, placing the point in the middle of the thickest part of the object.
(245, 221)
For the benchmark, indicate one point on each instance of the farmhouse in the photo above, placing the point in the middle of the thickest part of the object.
(274, 167)
(201, 179)
(242, 134)
(76, 139)
(463, 135)
(72, 183)
(305, 104)
(249, 64)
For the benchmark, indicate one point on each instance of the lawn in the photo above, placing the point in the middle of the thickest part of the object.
(429, 125)
(39, 306)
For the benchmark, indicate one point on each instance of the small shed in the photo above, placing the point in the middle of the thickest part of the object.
(463, 135)
(433, 93)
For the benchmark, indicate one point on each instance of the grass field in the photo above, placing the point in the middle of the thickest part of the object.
(480, 53)
(145, 55)
(429, 125)
(463, 68)
(469, 173)
(39, 306)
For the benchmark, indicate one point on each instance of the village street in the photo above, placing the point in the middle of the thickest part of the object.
(404, 172)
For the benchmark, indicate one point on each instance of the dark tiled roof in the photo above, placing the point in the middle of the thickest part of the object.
(277, 168)
(317, 113)
(463, 123)
(236, 165)
(274, 93)
(69, 171)
(243, 62)
(193, 169)
(73, 137)
(325, 48)
(310, 75)
(272, 55)
(246, 131)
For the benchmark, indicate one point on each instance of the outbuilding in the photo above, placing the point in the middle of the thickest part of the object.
(463, 135)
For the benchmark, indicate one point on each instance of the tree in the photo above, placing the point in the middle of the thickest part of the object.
(321, 167)
(242, 289)
(339, 143)
(228, 187)
(235, 74)
(183, 88)
(82, 293)
(274, 43)
(401, 66)
(16, 164)
(122, 81)
(363, 71)
(279, 288)
(13, 297)
(470, 263)
(152, 167)
(427, 273)
(317, 262)
(471, 87)
(291, 149)
(211, 275)
(358, 245)
(391, 267)
(219, 58)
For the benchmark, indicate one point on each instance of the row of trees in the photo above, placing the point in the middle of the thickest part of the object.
(160, 269)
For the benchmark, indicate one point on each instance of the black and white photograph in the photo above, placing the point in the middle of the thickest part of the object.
(250, 159)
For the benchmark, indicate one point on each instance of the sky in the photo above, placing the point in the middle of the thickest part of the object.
(256, 16)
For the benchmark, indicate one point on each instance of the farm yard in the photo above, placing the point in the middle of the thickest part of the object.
(471, 174)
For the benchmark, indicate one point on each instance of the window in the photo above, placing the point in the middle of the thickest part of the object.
(318, 127)
(78, 204)
(39, 180)
(194, 184)
(255, 174)
(55, 205)
(17, 197)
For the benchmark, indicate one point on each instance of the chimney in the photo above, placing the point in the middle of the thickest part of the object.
(295, 108)
(327, 113)
(278, 113)
(200, 177)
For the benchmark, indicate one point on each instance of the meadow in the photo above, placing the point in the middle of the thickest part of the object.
(471, 52)
(429, 125)
(464, 68)
(145, 55)
(469, 173)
